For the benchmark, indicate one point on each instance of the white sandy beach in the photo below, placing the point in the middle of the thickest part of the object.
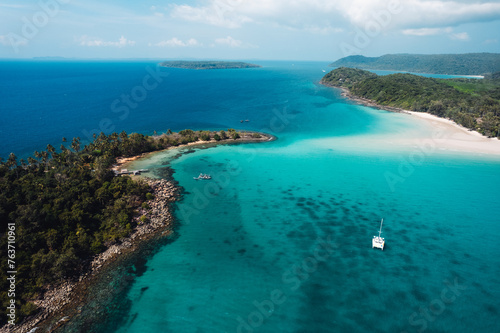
(458, 138)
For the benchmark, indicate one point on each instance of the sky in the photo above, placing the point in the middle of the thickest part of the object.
(321, 30)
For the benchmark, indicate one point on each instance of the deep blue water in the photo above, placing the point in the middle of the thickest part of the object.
(45, 101)
(279, 240)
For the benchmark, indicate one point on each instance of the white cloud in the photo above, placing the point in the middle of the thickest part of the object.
(175, 42)
(230, 41)
(4, 40)
(304, 14)
(88, 41)
(12, 6)
(491, 41)
(322, 30)
(422, 32)
(12, 40)
(297, 14)
(419, 13)
(460, 36)
(218, 13)
(427, 31)
(233, 43)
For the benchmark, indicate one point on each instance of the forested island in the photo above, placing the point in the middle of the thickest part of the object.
(472, 103)
(208, 64)
(452, 64)
(67, 206)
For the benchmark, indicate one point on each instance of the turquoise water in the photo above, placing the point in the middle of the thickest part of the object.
(271, 215)
(280, 239)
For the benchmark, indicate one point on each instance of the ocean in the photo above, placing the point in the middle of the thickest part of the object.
(280, 239)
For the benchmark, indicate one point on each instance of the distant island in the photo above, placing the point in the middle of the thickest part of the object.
(208, 64)
(472, 103)
(452, 64)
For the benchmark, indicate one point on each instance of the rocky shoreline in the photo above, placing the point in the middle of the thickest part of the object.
(159, 220)
(363, 101)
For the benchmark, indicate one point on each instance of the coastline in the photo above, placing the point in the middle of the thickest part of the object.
(454, 137)
(245, 137)
(61, 302)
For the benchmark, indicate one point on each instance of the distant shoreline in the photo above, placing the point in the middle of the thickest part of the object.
(449, 64)
(205, 65)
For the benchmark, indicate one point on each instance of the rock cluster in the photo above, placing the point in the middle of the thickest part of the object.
(158, 216)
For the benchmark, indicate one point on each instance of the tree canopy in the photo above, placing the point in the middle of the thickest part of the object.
(457, 64)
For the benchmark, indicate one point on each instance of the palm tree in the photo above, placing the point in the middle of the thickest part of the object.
(75, 144)
(51, 150)
(123, 135)
(45, 156)
(31, 161)
(12, 161)
(113, 136)
(37, 155)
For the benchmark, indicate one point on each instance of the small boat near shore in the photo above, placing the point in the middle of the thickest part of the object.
(203, 176)
(378, 241)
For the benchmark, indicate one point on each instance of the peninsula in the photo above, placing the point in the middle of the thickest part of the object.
(76, 214)
(208, 64)
(471, 103)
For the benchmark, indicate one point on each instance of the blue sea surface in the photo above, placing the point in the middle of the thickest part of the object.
(280, 239)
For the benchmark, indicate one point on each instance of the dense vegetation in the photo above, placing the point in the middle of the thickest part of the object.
(346, 77)
(458, 64)
(67, 206)
(472, 103)
(207, 64)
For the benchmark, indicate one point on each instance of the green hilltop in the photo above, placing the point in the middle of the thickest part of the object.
(452, 64)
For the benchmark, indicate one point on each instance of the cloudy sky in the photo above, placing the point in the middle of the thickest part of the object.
(245, 29)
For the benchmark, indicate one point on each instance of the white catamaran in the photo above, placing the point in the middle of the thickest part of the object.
(378, 241)
(203, 176)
